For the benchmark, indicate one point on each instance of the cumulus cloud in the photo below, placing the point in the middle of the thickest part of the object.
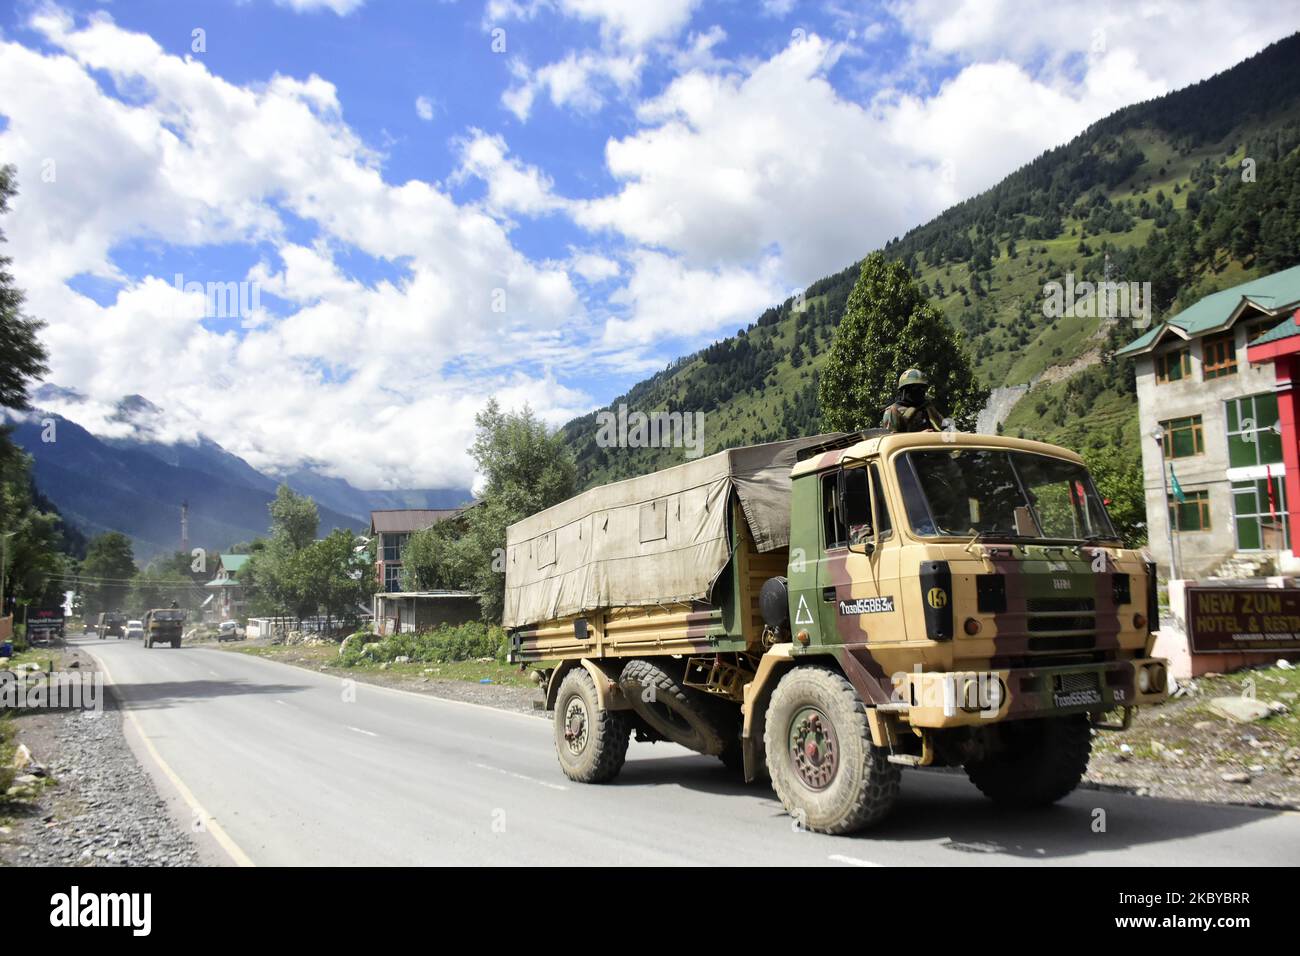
(367, 375)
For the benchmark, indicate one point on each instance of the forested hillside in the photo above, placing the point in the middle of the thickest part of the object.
(1193, 192)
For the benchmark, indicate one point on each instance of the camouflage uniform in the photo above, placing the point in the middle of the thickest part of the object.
(916, 415)
(901, 418)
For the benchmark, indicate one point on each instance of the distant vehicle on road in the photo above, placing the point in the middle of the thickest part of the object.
(134, 630)
(163, 625)
(111, 624)
(230, 631)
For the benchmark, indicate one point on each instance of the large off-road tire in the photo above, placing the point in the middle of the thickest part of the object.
(1040, 761)
(684, 715)
(823, 765)
(590, 742)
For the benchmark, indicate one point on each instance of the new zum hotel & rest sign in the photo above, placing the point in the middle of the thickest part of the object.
(1243, 619)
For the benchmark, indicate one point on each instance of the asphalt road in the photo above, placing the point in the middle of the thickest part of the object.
(293, 773)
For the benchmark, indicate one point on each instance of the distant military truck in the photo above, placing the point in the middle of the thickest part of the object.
(164, 626)
(110, 624)
(828, 611)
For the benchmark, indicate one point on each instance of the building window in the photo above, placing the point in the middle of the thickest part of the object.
(1219, 357)
(1254, 436)
(1259, 514)
(1259, 328)
(1183, 437)
(1192, 514)
(1174, 365)
(394, 545)
(392, 577)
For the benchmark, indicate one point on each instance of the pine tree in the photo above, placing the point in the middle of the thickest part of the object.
(889, 327)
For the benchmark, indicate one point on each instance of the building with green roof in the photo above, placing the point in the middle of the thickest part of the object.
(1212, 446)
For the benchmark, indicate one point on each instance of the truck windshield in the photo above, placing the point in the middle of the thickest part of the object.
(1000, 494)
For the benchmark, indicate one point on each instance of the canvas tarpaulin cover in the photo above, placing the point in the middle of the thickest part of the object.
(657, 539)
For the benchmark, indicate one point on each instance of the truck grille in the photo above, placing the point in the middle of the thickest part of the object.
(1073, 683)
(1061, 623)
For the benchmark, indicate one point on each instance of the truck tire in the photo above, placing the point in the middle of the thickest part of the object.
(823, 764)
(591, 742)
(681, 714)
(1042, 761)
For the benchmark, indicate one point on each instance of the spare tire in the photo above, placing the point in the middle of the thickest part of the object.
(774, 603)
(684, 715)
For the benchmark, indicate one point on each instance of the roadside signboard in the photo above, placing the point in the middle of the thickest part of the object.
(44, 623)
(1223, 620)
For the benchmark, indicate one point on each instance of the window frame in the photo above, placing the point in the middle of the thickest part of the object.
(1230, 433)
(1197, 428)
(1201, 498)
(1162, 360)
(1221, 367)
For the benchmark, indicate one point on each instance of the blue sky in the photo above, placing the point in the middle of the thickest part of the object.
(430, 203)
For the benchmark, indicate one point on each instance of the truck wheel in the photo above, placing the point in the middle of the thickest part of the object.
(681, 714)
(823, 765)
(1041, 761)
(590, 741)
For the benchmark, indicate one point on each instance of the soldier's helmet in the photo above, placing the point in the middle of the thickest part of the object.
(913, 376)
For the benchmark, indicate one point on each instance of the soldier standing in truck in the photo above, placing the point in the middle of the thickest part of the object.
(912, 411)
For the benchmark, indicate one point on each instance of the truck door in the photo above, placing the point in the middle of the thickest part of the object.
(859, 599)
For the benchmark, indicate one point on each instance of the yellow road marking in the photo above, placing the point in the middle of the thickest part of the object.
(237, 855)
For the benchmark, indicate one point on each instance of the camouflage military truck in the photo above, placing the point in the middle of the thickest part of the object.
(163, 625)
(110, 624)
(828, 611)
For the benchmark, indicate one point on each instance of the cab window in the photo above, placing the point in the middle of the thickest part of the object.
(832, 520)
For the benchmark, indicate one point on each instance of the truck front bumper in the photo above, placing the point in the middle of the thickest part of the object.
(942, 699)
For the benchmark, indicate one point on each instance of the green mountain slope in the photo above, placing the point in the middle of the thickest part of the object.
(1155, 193)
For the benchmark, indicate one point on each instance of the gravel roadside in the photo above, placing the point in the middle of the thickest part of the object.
(99, 807)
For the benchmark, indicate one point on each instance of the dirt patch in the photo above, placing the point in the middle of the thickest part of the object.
(1184, 750)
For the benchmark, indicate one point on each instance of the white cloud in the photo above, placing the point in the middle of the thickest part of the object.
(668, 300)
(513, 186)
(633, 25)
(341, 7)
(625, 23)
(594, 267)
(380, 377)
(579, 81)
(733, 165)
(424, 108)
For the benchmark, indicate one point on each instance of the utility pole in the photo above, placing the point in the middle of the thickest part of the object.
(1158, 434)
(185, 527)
(4, 566)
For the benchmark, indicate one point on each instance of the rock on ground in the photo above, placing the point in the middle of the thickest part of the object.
(101, 809)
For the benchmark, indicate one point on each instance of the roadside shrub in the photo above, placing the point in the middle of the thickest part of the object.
(445, 645)
(7, 748)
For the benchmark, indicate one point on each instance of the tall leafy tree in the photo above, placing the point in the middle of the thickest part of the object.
(107, 573)
(525, 467)
(22, 357)
(889, 326)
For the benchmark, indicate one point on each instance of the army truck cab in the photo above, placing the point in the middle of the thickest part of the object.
(164, 625)
(830, 610)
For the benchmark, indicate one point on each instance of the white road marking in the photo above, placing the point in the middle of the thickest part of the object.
(520, 776)
(368, 733)
(851, 860)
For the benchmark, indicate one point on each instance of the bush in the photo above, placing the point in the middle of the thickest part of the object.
(463, 642)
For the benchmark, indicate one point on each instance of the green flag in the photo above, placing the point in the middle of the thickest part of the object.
(1178, 489)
